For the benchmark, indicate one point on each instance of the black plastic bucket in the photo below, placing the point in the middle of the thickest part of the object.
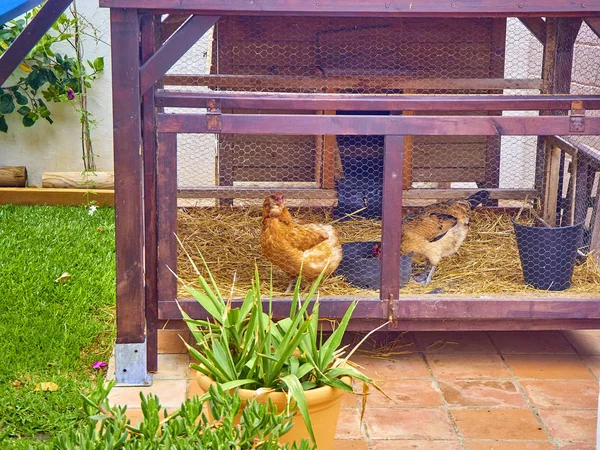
(362, 268)
(548, 255)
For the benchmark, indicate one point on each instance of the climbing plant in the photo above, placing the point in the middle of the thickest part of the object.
(55, 71)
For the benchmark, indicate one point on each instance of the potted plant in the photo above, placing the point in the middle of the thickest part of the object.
(260, 426)
(288, 362)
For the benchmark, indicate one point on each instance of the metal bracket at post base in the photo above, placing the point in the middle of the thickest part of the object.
(130, 365)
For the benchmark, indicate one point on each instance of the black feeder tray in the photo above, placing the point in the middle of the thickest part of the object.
(361, 268)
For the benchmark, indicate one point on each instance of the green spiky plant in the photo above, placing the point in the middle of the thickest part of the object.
(245, 347)
(259, 427)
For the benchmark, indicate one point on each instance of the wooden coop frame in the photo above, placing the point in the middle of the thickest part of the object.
(152, 35)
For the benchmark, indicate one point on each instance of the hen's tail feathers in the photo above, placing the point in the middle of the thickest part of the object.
(477, 198)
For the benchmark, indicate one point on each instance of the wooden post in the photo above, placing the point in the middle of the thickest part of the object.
(166, 190)
(556, 79)
(493, 145)
(149, 24)
(582, 178)
(128, 176)
(393, 160)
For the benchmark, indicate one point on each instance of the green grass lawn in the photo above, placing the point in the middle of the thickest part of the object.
(49, 331)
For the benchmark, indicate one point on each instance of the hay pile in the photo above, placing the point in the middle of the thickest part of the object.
(487, 263)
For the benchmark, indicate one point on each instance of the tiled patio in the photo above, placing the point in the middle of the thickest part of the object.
(464, 390)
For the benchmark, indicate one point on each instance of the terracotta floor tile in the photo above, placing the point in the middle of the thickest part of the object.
(593, 363)
(172, 367)
(562, 394)
(568, 367)
(587, 342)
(350, 444)
(412, 423)
(392, 341)
(406, 393)
(171, 393)
(507, 445)
(485, 393)
(350, 400)
(498, 424)
(454, 342)
(553, 342)
(578, 446)
(570, 425)
(468, 366)
(404, 366)
(169, 341)
(349, 426)
(415, 445)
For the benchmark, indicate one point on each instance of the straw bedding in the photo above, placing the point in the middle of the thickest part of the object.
(487, 262)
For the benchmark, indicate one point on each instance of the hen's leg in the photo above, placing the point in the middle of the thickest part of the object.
(290, 287)
(425, 277)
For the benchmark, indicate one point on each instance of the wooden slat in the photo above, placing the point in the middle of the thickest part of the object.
(375, 125)
(363, 102)
(30, 36)
(260, 82)
(129, 220)
(393, 160)
(430, 8)
(430, 307)
(553, 159)
(244, 192)
(537, 26)
(173, 49)
(330, 194)
(166, 191)
(55, 197)
(450, 174)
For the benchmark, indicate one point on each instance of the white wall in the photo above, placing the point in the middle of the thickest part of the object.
(57, 147)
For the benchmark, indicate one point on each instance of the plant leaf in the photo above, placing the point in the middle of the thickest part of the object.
(296, 392)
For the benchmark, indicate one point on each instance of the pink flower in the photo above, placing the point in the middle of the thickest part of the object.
(99, 365)
(70, 94)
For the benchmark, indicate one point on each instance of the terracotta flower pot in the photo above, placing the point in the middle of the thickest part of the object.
(323, 406)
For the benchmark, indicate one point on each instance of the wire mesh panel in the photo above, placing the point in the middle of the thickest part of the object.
(461, 193)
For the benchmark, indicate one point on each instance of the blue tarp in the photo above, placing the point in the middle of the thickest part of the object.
(9, 9)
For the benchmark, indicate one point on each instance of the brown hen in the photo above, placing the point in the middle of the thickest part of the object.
(291, 245)
(438, 230)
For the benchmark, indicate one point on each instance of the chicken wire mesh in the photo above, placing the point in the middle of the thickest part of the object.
(377, 56)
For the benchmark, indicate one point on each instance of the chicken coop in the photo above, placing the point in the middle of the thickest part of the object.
(404, 146)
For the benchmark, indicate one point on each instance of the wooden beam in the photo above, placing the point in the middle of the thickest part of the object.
(428, 307)
(594, 24)
(330, 194)
(149, 27)
(55, 197)
(30, 36)
(13, 176)
(170, 25)
(361, 102)
(428, 8)
(173, 49)
(537, 27)
(391, 222)
(129, 220)
(382, 82)
(288, 124)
